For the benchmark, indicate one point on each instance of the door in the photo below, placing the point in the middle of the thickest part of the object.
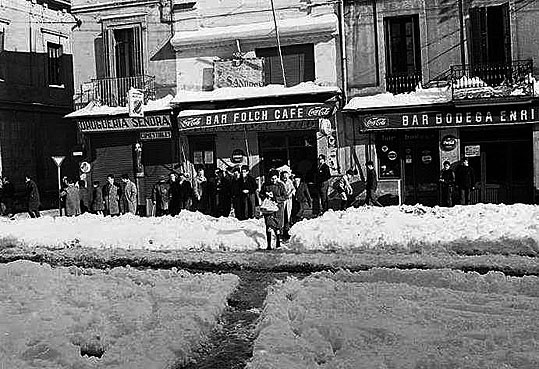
(421, 168)
(202, 153)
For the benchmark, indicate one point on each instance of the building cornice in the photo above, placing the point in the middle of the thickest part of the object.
(110, 5)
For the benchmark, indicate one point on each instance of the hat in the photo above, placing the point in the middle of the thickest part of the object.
(284, 168)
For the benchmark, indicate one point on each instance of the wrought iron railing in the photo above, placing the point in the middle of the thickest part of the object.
(479, 81)
(113, 91)
(398, 83)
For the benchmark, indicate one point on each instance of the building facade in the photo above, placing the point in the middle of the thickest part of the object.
(36, 90)
(476, 64)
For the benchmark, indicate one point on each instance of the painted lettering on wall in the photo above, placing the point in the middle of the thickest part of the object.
(124, 123)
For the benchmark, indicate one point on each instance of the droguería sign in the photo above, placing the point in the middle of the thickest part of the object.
(112, 123)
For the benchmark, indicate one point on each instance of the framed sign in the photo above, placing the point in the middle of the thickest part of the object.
(472, 150)
(198, 157)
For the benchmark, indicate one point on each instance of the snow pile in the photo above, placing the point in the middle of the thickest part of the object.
(466, 82)
(90, 319)
(187, 231)
(231, 93)
(474, 229)
(95, 109)
(399, 319)
(421, 96)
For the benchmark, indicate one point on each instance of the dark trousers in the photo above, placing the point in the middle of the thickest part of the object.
(321, 197)
(34, 213)
(464, 195)
(447, 196)
(370, 198)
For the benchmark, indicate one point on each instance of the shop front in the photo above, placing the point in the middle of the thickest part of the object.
(262, 137)
(141, 147)
(410, 144)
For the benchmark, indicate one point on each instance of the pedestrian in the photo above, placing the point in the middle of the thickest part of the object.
(71, 197)
(97, 204)
(84, 195)
(175, 195)
(273, 189)
(247, 199)
(465, 181)
(223, 195)
(447, 181)
(129, 195)
(111, 196)
(372, 185)
(161, 196)
(321, 181)
(302, 197)
(186, 192)
(344, 189)
(200, 185)
(32, 197)
(235, 190)
(63, 187)
(8, 193)
(290, 192)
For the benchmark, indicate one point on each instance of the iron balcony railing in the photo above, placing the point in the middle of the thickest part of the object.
(398, 83)
(484, 81)
(113, 91)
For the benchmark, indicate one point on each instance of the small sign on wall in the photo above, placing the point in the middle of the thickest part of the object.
(472, 150)
(198, 157)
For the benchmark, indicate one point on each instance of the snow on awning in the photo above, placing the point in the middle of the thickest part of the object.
(422, 96)
(93, 109)
(290, 27)
(241, 93)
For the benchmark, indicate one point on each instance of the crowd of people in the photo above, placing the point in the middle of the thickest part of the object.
(456, 183)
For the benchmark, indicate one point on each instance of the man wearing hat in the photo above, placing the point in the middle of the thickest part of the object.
(160, 196)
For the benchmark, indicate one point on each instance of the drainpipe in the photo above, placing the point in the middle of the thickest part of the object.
(344, 59)
(375, 28)
(461, 26)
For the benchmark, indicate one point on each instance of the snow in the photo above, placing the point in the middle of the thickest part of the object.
(234, 93)
(385, 318)
(94, 109)
(421, 96)
(50, 317)
(480, 229)
(296, 27)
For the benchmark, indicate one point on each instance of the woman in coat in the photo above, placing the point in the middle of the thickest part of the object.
(111, 197)
(274, 190)
(32, 196)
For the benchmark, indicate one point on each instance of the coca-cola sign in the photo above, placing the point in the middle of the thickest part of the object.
(374, 122)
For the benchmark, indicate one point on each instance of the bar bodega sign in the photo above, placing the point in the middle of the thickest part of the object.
(266, 114)
(458, 118)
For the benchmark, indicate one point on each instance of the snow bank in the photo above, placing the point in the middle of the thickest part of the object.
(421, 96)
(187, 231)
(399, 319)
(474, 229)
(94, 109)
(62, 317)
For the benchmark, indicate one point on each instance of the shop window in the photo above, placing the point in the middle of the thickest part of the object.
(54, 63)
(389, 161)
(298, 63)
(403, 53)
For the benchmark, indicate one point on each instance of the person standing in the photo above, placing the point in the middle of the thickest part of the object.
(32, 197)
(246, 194)
(84, 195)
(186, 192)
(302, 197)
(97, 199)
(372, 185)
(129, 195)
(8, 193)
(290, 192)
(274, 190)
(321, 181)
(344, 189)
(200, 191)
(465, 181)
(111, 196)
(71, 198)
(223, 195)
(235, 190)
(161, 197)
(447, 181)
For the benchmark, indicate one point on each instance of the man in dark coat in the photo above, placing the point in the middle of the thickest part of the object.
(465, 181)
(321, 181)
(8, 193)
(175, 195)
(246, 195)
(111, 196)
(372, 185)
(161, 197)
(223, 193)
(186, 192)
(447, 181)
(32, 196)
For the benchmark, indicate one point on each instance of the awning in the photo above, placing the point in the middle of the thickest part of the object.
(278, 114)
(289, 27)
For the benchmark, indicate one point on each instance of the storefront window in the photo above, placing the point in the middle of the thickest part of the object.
(389, 161)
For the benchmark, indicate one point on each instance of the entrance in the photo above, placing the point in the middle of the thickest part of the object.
(202, 153)
(421, 168)
(297, 149)
(503, 166)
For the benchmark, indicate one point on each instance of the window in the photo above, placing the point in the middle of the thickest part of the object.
(388, 152)
(127, 52)
(2, 56)
(403, 53)
(490, 35)
(298, 63)
(54, 62)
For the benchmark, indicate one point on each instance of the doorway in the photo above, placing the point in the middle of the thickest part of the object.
(202, 153)
(297, 149)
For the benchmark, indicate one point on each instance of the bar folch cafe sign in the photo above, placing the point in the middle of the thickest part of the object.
(499, 115)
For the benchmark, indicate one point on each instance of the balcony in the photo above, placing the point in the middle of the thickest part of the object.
(512, 81)
(398, 83)
(113, 91)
